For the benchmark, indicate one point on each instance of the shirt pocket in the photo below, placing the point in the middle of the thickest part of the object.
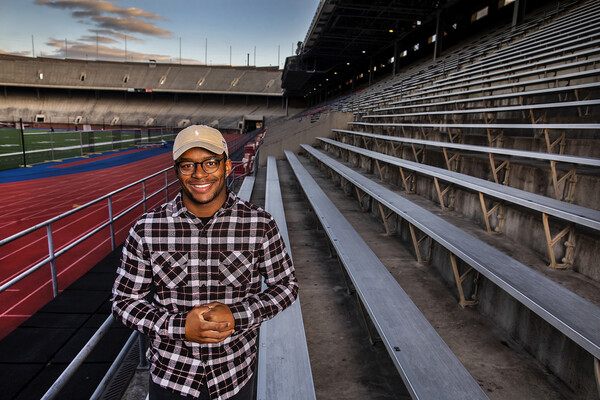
(170, 269)
(235, 268)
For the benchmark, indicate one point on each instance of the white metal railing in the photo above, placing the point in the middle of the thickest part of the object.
(53, 254)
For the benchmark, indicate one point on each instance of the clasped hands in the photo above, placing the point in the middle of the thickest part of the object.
(209, 323)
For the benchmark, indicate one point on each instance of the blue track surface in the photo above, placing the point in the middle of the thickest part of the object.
(46, 170)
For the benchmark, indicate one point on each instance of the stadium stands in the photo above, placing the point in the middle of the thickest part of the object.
(136, 94)
(513, 118)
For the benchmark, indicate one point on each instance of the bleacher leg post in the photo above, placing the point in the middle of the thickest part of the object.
(487, 214)
(560, 141)
(449, 160)
(441, 194)
(495, 169)
(417, 153)
(385, 217)
(559, 187)
(550, 241)
(417, 243)
(360, 200)
(459, 280)
(381, 170)
(373, 334)
(409, 189)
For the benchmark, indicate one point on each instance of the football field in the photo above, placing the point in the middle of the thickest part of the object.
(42, 146)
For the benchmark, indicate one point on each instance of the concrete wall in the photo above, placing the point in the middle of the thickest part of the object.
(289, 135)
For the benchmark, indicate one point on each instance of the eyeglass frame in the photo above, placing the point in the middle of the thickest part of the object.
(177, 163)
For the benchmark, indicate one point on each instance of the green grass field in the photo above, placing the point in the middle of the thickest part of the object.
(41, 146)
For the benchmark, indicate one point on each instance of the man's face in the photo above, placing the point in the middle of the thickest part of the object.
(203, 193)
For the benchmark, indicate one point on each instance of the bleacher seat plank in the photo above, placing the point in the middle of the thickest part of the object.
(523, 94)
(424, 95)
(572, 315)
(559, 209)
(427, 365)
(545, 106)
(482, 126)
(537, 155)
(245, 190)
(284, 370)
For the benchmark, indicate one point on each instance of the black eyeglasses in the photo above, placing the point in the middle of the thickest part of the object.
(209, 166)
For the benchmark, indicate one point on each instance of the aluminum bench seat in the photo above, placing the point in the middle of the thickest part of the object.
(575, 317)
(284, 370)
(427, 365)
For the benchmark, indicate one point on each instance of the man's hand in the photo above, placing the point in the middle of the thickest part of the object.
(209, 323)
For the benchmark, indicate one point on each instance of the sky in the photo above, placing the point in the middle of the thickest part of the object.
(218, 32)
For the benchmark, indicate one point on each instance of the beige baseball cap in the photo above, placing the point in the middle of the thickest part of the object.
(199, 136)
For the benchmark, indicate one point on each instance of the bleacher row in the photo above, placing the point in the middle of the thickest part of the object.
(41, 72)
(450, 131)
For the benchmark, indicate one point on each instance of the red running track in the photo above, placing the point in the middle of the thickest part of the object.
(27, 203)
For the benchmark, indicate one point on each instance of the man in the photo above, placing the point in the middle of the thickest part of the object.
(190, 278)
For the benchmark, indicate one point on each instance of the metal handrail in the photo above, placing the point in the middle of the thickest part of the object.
(86, 350)
(78, 360)
(52, 255)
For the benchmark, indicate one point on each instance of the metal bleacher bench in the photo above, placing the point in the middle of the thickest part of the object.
(427, 365)
(575, 317)
(550, 80)
(497, 130)
(284, 370)
(568, 179)
(570, 213)
(245, 191)
(501, 96)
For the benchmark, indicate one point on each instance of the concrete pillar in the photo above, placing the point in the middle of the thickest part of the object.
(518, 12)
(439, 35)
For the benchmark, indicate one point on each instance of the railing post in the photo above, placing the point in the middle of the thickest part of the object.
(52, 261)
(167, 184)
(144, 194)
(143, 361)
(110, 219)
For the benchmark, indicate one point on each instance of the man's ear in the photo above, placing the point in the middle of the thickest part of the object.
(227, 167)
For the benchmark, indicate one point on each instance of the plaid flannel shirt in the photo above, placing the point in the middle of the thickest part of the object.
(171, 262)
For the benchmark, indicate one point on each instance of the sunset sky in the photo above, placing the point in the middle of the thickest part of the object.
(130, 30)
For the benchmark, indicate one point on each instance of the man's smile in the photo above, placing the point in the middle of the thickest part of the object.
(201, 187)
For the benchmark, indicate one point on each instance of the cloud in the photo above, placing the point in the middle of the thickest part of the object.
(97, 7)
(98, 38)
(109, 32)
(130, 25)
(16, 53)
(105, 14)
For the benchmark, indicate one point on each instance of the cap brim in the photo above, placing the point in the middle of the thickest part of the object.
(187, 146)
